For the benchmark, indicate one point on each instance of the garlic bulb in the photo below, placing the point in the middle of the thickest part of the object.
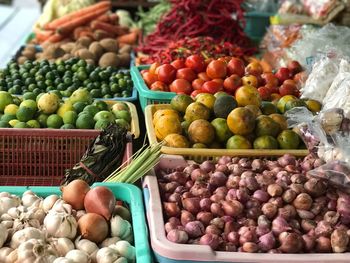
(48, 202)
(30, 199)
(8, 255)
(16, 212)
(36, 213)
(35, 250)
(78, 256)
(24, 235)
(79, 214)
(5, 194)
(86, 245)
(106, 255)
(60, 225)
(7, 223)
(124, 249)
(6, 203)
(63, 260)
(61, 206)
(61, 245)
(109, 241)
(19, 224)
(3, 235)
(120, 227)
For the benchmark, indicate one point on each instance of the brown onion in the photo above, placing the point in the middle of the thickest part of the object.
(74, 193)
(191, 204)
(205, 217)
(93, 227)
(177, 236)
(250, 247)
(315, 187)
(287, 212)
(323, 245)
(290, 242)
(303, 201)
(269, 209)
(331, 217)
(211, 229)
(171, 209)
(211, 240)
(232, 208)
(297, 188)
(218, 222)
(298, 179)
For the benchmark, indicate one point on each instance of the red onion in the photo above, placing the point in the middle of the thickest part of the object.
(235, 160)
(233, 181)
(272, 164)
(180, 189)
(211, 229)
(274, 190)
(248, 180)
(298, 178)
(224, 160)
(244, 163)
(262, 230)
(291, 169)
(332, 205)
(315, 187)
(253, 213)
(304, 214)
(222, 190)
(306, 165)
(323, 228)
(191, 204)
(194, 241)
(229, 247)
(307, 225)
(205, 204)
(258, 165)
(246, 222)
(250, 247)
(174, 198)
(178, 177)
(279, 225)
(194, 229)
(170, 187)
(235, 169)
(318, 163)
(205, 217)
(200, 190)
(207, 166)
(248, 236)
(242, 195)
(316, 208)
(230, 226)
(303, 201)
(287, 159)
(177, 236)
(264, 221)
(331, 217)
(174, 220)
(186, 217)
(211, 240)
(187, 195)
(216, 198)
(323, 245)
(267, 242)
(265, 179)
(294, 224)
(233, 237)
(288, 196)
(297, 188)
(276, 170)
(269, 210)
(231, 195)
(222, 168)
(309, 243)
(284, 176)
(199, 174)
(189, 184)
(169, 226)
(218, 222)
(274, 251)
(216, 209)
(276, 201)
(287, 212)
(171, 209)
(261, 196)
(189, 169)
(290, 242)
(232, 208)
(339, 240)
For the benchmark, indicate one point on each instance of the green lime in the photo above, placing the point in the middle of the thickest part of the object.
(101, 105)
(29, 104)
(4, 124)
(91, 109)
(104, 115)
(122, 114)
(54, 121)
(7, 117)
(13, 122)
(29, 96)
(25, 114)
(85, 121)
(102, 124)
(11, 109)
(38, 97)
(123, 123)
(42, 119)
(17, 100)
(33, 124)
(79, 106)
(67, 127)
(70, 117)
(5, 99)
(57, 92)
(96, 93)
(21, 125)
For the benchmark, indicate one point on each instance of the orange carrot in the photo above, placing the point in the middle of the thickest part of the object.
(69, 26)
(111, 29)
(54, 38)
(105, 5)
(103, 18)
(130, 38)
(86, 34)
(78, 30)
(42, 35)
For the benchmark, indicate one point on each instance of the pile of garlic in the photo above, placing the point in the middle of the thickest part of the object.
(33, 229)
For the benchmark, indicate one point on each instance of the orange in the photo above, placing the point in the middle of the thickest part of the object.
(247, 95)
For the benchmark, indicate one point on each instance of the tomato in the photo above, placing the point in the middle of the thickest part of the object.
(166, 73)
(221, 81)
(203, 76)
(178, 63)
(211, 87)
(232, 83)
(159, 86)
(288, 89)
(196, 92)
(254, 68)
(216, 69)
(186, 73)
(144, 71)
(273, 89)
(223, 59)
(265, 93)
(181, 86)
(250, 80)
(197, 84)
(196, 63)
(153, 67)
(236, 66)
(149, 78)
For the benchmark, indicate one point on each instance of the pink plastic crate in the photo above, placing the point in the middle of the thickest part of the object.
(169, 252)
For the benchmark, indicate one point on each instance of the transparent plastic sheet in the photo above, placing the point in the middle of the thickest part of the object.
(266, 6)
(321, 9)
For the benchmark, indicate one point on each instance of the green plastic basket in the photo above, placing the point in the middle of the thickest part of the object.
(124, 192)
(147, 96)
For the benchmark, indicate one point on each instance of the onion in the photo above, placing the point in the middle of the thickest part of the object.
(250, 247)
(308, 225)
(170, 226)
(218, 222)
(199, 174)
(267, 242)
(224, 160)
(323, 228)
(269, 210)
(216, 198)
(174, 198)
(216, 209)
(100, 200)
(242, 195)
(232, 208)
(258, 165)
(261, 196)
(177, 236)
(223, 168)
(230, 226)
(309, 242)
(194, 229)
(288, 196)
(298, 179)
(279, 225)
(303, 201)
(315, 187)
(233, 181)
(290, 242)
(211, 240)
(264, 221)
(174, 220)
(276, 201)
(205, 217)
(186, 217)
(74, 193)
(178, 177)
(191, 204)
(287, 159)
(200, 190)
(204, 204)
(93, 227)
(248, 235)
(287, 212)
(262, 230)
(233, 237)
(274, 190)
(323, 245)
(245, 163)
(207, 166)
(339, 240)
(190, 168)
(171, 209)
(331, 217)
(218, 179)
(211, 229)
(171, 186)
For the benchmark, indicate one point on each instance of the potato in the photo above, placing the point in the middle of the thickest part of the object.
(85, 54)
(84, 41)
(109, 59)
(96, 49)
(67, 56)
(54, 52)
(28, 54)
(90, 61)
(125, 49)
(22, 59)
(67, 47)
(124, 59)
(31, 47)
(38, 55)
(109, 44)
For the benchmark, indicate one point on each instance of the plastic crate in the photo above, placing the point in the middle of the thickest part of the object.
(125, 192)
(256, 24)
(147, 96)
(203, 154)
(169, 252)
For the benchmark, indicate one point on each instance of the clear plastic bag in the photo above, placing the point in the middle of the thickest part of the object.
(266, 6)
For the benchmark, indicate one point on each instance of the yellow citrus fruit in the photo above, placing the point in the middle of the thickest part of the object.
(241, 121)
(283, 101)
(165, 112)
(207, 99)
(176, 141)
(167, 125)
(247, 95)
(67, 106)
(11, 109)
(313, 105)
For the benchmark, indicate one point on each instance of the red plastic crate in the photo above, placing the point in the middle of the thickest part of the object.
(41, 156)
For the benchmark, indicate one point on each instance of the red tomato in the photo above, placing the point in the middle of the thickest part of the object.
(288, 89)
(149, 78)
(153, 67)
(196, 92)
(265, 93)
(181, 86)
(166, 73)
(178, 63)
(254, 68)
(211, 87)
(221, 81)
(159, 86)
(144, 71)
(216, 69)
(196, 63)
(272, 88)
(203, 76)
(232, 83)
(197, 84)
(236, 66)
(186, 73)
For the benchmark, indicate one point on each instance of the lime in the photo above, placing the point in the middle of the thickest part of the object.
(80, 95)
(42, 118)
(70, 117)
(54, 121)
(7, 117)
(91, 109)
(38, 97)
(11, 109)
(104, 115)
(4, 124)
(25, 114)
(65, 107)
(67, 126)
(79, 106)
(29, 104)
(102, 124)
(123, 123)
(238, 142)
(5, 99)
(17, 101)
(13, 122)
(101, 105)
(29, 96)
(288, 139)
(48, 103)
(85, 121)
(57, 92)
(33, 124)
(21, 125)
(122, 114)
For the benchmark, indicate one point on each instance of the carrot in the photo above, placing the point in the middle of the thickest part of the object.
(130, 38)
(42, 35)
(86, 34)
(103, 18)
(55, 38)
(111, 29)
(105, 5)
(79, 29)
(69, 26)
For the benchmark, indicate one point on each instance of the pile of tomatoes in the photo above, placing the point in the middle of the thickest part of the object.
(195, 75)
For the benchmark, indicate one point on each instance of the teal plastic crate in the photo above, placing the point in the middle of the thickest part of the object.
(124, 192)
(147, 96)
(256, 24)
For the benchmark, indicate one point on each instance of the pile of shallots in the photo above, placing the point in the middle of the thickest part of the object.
(85, 225)
(255, 205)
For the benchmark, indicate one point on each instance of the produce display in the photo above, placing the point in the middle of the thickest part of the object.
(254, 205)
(48, 110)
(83, 225)
(65, 77)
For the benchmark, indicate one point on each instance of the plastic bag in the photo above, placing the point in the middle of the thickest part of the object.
(340, 97)
(266, 6)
